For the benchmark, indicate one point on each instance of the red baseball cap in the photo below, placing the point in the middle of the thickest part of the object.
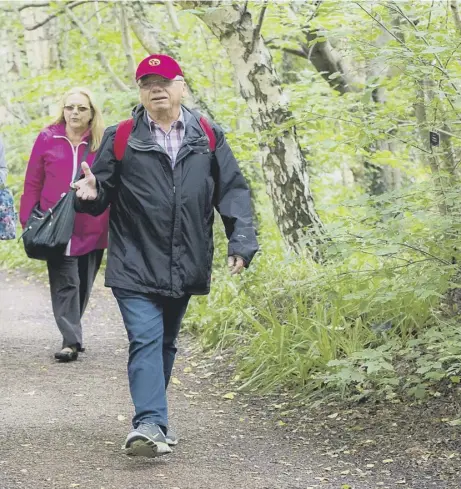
(159, 64)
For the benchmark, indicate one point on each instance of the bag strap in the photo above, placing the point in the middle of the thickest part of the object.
(85, 155)
(206, 126)
(121, 138)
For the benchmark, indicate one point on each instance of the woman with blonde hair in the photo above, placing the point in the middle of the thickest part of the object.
(54, 163)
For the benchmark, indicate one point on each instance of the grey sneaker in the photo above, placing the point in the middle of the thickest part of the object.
(147, 440)
(171, 438)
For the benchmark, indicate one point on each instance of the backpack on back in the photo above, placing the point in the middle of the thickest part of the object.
(124, 130)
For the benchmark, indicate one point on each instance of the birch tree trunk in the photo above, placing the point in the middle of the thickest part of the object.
(284, 167)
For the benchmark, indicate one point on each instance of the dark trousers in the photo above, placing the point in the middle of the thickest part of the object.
(152, 323)
(71, 280)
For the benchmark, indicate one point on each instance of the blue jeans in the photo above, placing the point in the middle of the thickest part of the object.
(152, 323)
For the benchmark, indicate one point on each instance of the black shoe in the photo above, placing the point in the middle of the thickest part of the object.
(67, 354)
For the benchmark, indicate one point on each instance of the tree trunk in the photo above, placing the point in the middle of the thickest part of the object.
(328, 61)
(456, 15)
(284, 167)
(448, 151)
(172, 14)
(145, 32)
(385, 178)
(425, 95)
(127, 45)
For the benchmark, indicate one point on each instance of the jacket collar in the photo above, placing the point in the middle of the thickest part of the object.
(60, 130)
(142, 128)
(179, 119)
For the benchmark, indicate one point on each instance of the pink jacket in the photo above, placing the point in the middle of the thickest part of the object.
(52, 167)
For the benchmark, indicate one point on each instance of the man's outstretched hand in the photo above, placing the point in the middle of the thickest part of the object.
(86, 187)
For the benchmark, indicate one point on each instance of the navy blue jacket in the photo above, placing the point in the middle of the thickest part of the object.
(161, 236)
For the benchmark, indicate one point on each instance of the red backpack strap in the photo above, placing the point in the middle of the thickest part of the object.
(121, 138)
(206, 126)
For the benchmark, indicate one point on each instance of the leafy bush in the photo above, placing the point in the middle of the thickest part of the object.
(364, 321)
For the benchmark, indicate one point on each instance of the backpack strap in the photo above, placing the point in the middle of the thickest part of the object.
(124, 128)
(121, 138)
(206, 126)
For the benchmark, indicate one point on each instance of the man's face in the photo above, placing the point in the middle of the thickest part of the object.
(160, 95)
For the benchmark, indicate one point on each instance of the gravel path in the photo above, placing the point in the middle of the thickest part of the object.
(62, 425)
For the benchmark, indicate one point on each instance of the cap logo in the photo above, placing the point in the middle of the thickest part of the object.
(154, 62)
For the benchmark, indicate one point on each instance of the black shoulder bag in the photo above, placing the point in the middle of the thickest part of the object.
(47, 233)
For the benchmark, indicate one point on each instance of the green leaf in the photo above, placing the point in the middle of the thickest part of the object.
(435, 49)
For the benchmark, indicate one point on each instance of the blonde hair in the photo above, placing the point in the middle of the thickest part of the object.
(96, 123)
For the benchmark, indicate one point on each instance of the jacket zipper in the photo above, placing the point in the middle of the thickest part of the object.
(74, 154)
(74, 174)
(174, 222)
(177, 162)
(174, 197)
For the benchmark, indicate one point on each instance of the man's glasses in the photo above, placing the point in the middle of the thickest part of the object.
(159, 82)
(80, 108)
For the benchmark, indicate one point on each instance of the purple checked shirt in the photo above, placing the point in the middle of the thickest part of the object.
(170, 141)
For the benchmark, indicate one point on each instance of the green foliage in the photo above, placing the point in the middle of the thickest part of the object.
(372, 318)
(365, 321)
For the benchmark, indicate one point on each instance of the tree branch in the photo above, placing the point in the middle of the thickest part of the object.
(324, 57)
(96, 12)
(426, 42)
(27, 5)
(257, 31)
(370, 272)
(53, 16)
(295, 52)
(103, 60)
(411, 247)
(127, 45)
(142, 29)
(383, 27)
(172, 14)
(438, 66)
(456, 15)
(430, 15)
(60, 12)
(314, 14)
(16, 111)
(455, 50)
(327, 61)
(47, 4)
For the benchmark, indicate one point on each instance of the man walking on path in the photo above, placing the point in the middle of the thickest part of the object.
(173, 170)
